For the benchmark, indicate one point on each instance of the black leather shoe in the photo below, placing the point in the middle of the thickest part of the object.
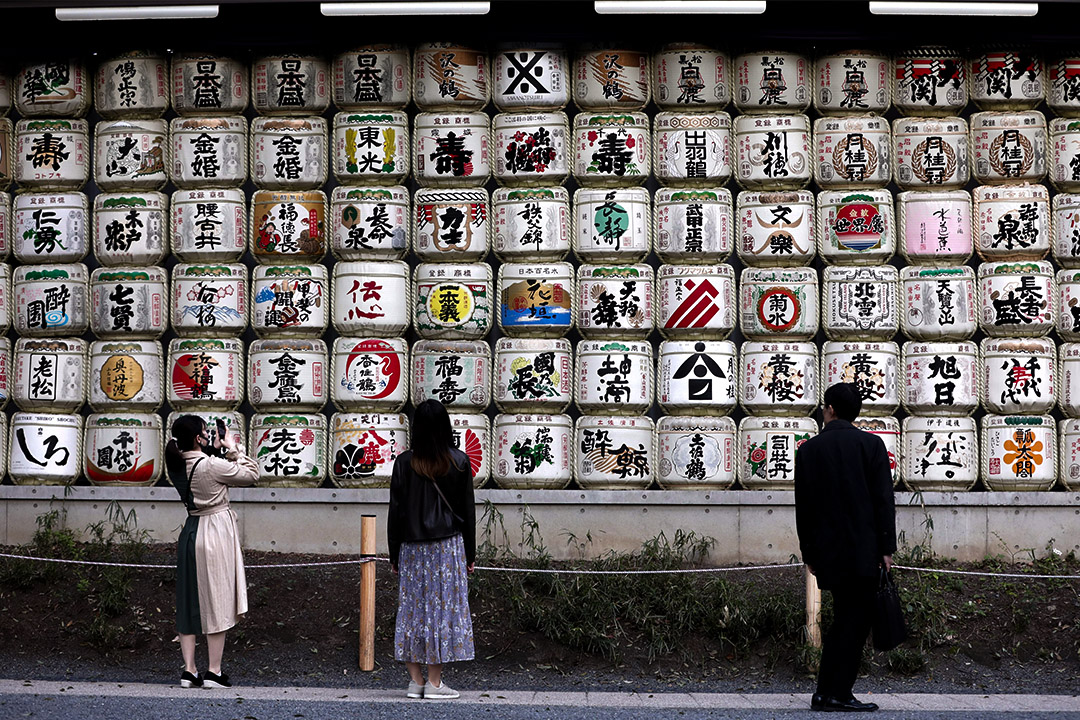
(831, 704)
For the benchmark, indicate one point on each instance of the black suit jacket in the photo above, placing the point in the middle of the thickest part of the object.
(844, 510)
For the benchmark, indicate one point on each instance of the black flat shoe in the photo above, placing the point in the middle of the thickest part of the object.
(825, 703)
(187, 680)
(212, 680)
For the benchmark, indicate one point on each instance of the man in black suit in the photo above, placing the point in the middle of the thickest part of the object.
(846, 522)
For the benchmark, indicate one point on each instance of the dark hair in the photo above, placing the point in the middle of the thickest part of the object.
(432, 440)
(845, 400)
(186, 431)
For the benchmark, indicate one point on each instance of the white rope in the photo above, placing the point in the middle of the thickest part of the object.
(636, 572)
(173, 567)
(1026, 576)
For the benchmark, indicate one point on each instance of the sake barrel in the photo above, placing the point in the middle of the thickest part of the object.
(533, 375)
(774, 152)
(51, 300)
(930, 152)
(209, 300)
(873, 367)
(205, 374)
(615, 301)
(1065, 158)
(371, 298)
(288, 227)
(450, 75)
(531, 223)
(696, 453)
(4, 440)
(45, 449)
(50, 227)
(52, 88)
(1069, 452)
(1018, 375)
(234, 425)
(363, 447)
(531, 148)
(132, 85)
(852, 152)
(533, 452)
(536, 299)
(126, 376)
(1065, 225)
(939, 454)
(290, 300)
(369, 374)
(290, 85)
(6, 376)
(451, 225)
(7, 153)
(941, 378)
(940, 303)
(767, 448)
(1019, 453)
(530, 76)
(288, 153)
(1008, 147)
(856, 81)
(771, 81)
(371, 147)
(1012, 222)
(5, 298)
(611, 150)
(52, 154)
(614, 453)
(471, 433)
(287, 375)
(208, 152)
(779, 378)
(778, 303)
(5, 107)
(693, 148)
(610, 78)
(1017, 299)
(695, 301)
(49, 374)
(129, 302)
(123, 450)
(130, 154)
(453, 301)
(369, 77)
(290, 450)
(935, 227)
(888, 429)
(930, 80)
(209, 225)
(451, 149)
(1068, 305)
(856, 227)
(1068, 375)
(614, 377)
(131, 228)
(691, 76)
(612, 225)
(860, 303)
(699, 377)
(694, 226)
(369, 223)
(457, 373)
(1063, 86)
(205, 84)
(776, 228)
(1006, 79)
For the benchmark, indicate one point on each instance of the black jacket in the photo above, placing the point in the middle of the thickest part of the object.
(418, 514)
(844, 508)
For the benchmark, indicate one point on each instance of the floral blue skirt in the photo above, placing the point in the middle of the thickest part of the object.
(433, 621)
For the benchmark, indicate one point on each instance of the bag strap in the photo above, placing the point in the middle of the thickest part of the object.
(449, 507)
(189, 499)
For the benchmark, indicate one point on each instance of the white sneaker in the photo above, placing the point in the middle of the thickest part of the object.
(416, 690)
(442, 692)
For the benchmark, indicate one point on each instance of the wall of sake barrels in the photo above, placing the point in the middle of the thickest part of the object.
(629, 265)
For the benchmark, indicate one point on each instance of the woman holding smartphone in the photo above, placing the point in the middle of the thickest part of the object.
(211, 588)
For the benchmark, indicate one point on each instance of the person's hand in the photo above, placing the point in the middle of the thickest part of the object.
(810, 568)
(470, 568)
(228, 441)
(886, 560)
(393, 568)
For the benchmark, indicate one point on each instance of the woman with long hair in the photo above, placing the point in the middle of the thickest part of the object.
(211, 588)
(431, 529)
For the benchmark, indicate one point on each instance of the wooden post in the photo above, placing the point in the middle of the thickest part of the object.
(367, 593)
(813, 610)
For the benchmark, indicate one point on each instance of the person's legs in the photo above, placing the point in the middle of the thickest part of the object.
(187, 649)
(215, 647)
(434, 674)
(853, 604)
(415, 672)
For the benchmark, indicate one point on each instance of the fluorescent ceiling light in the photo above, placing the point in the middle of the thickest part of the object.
(416, 7)
(139, 12)
(913, 7)
(688, 7)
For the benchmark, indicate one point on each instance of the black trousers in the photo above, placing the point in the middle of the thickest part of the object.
(853, 608)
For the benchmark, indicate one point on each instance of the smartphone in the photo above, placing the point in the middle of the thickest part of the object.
(221, 431)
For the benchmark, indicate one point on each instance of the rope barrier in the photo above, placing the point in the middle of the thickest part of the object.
(1026, 576)
(555, 571)
(173, 567)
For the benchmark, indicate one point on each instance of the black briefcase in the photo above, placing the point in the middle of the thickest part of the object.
(889, 630)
